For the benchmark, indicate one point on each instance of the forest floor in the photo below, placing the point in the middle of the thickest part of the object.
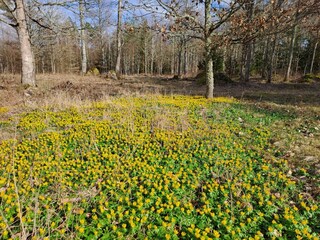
(298, 98)
(278, 122)
(97, 88)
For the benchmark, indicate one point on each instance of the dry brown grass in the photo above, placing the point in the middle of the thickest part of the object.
(70, 87)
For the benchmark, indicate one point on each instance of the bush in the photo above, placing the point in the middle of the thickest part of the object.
(311, 77)
(112, 75)
(93, 71)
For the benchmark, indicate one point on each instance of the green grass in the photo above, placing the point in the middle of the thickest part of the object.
(151, 167)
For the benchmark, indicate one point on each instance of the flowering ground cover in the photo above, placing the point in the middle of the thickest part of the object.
(150, 168)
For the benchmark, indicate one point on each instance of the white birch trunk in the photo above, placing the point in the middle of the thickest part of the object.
(292, 42)
(313, 56)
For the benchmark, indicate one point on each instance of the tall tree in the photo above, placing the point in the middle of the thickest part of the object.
(202, 21)
(314, 55)
(249, 9)
(119, 38)
(208, 49)
(28, 75)
(83, 43)
(292, 43)
(15, 15)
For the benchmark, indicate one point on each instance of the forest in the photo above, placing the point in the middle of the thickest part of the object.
(243, 39)
(159, 119)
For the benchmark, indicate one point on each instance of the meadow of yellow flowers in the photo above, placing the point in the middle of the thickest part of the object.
(149, 168)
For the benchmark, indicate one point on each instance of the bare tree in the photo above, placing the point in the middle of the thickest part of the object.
(208, 49)
(16, 16)
(292, 43)
(203, 19)
(83, 43)
(314, 55)
(249, 9)
(100, 17)
(119, 38)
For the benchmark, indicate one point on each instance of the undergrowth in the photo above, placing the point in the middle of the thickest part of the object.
(150, 168)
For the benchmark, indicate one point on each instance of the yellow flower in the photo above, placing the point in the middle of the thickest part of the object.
(5, 233)
(41, 231)
(197, 235)
(224, 221)
(216, 234)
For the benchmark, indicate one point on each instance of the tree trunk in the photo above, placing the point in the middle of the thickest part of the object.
(224, 57)
(291, 50)
(173, 57)
(28, 76)
(145, 55)
(179, 58)
(110, 59)
(53, 65)
(313, 56)
(248, 56)
(265, 57)
(242, 62)
(209, 61)
(83, 38)
(271, 57)
(209, 76)
(297, 66)
(231, 58)
(185, 58)
(152, 54)
(249, 7)
(102, 46)
(42, 65)
(161, 58)
(305, 68)
(119, 38)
